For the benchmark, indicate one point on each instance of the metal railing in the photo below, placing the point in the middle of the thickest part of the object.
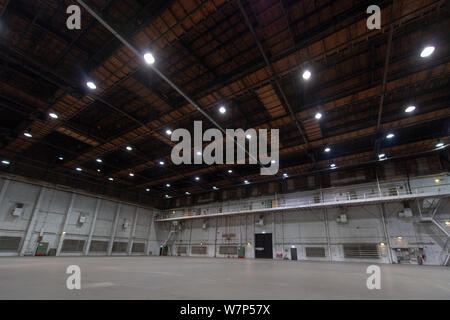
(385, 191)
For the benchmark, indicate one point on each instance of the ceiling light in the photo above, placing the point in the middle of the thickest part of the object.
(148, 190)
(91, 85)
(149, 58)
(167, 185)
(306, 75)
(28, 135)
(53, 115)
(427, 51)
(399, 238)
(382, 244)
(246, 182)
(273, 161)
(318, 115)
(230, 171)
(168, 132)
(197, 178)
(333, 165)
(161, 163)
(410, 109)
(249, 136)
(187, 192)
(390, 135)
(61, 158)
(131, 174)
(129, 148)
(111, 179)
(98, 170)
(222, 110)
(381, 155)
(6, 162)
(198, 153)
(439, 144)
(437, 180)
(327, 149)
(79, 169)
(285, 175)
(215, 188)
(99, 160)
(167, 196)
(447, 223)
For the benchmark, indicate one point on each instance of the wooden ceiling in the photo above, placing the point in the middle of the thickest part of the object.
(247, 55)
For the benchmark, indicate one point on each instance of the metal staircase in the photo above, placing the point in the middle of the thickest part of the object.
(446, 254)
(427, 210)
(174, 229)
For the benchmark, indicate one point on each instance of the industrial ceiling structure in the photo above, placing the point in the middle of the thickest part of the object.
(80, 108)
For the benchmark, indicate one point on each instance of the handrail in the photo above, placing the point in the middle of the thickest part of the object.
(307, 205)
(334, 195)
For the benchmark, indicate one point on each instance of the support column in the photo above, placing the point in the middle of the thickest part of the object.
(133, 232)
(282, 231)
(327, 231)
(274, 237)
(66, 220)
(34, 214)
(91, 231)
(386, 233)
(190, 240)
(149, 234)
(215, 238)
(4, 188)
(113, 232)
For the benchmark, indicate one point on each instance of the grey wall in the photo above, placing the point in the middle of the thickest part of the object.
(303, 228)
(50, 212)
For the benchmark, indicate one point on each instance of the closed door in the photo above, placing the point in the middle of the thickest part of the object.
(293, 253)
(263, 246)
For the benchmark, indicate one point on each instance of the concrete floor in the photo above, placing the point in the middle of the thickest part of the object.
(207, 278)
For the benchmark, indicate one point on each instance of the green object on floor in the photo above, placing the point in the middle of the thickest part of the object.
(241, 252)
(42, 249)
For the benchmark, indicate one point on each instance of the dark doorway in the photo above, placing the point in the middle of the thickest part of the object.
(263, 246)
(163, 251)
(293, 253)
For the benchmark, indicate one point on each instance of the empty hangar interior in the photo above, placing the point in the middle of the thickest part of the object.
(87, 116)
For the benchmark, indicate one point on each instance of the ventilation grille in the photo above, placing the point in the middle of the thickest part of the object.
(138, 247)
(10, 243)
(198, 250)
(393, 192)
(119, 247)
(315, 252)
(228, 250)
(361, 251)
(98, 246)
(73, 245)
(182, 250)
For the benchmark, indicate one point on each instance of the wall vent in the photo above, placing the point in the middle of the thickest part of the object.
(70, 245)
(198, 250)
(367, 251)
(98, 246)
(138, 247)
(232, 250)
(182, 250)
(9, 244)
(119, 246)
(315, 252)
